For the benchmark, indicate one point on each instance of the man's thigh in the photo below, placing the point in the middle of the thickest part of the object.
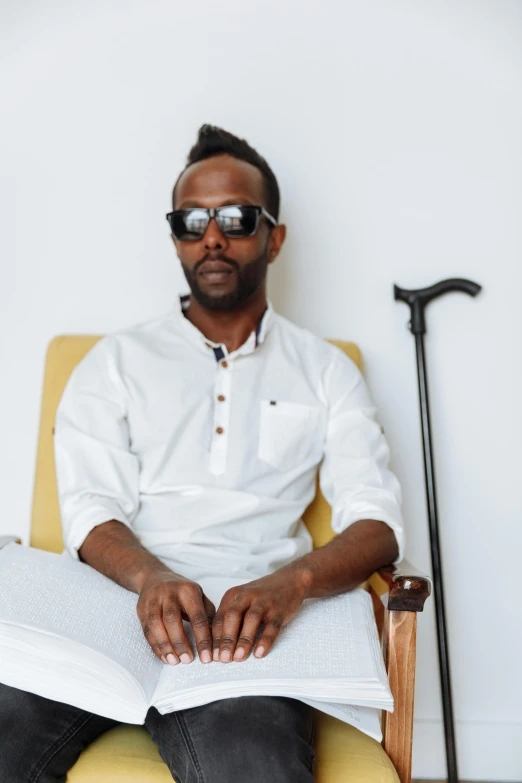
(41, 739)
(262, 739)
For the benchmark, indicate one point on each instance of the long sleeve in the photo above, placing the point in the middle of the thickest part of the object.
(354, 475)
(97, 474)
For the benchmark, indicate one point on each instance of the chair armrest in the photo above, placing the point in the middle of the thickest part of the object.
(408, 587)
(5, 540)
(407, 592)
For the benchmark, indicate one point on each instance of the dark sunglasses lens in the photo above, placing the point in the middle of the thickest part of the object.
(238, 221)
(189, 224)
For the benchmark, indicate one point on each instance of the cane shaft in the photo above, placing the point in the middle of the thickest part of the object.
(429, 474)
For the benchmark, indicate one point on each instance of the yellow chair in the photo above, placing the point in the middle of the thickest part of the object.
(126, 754)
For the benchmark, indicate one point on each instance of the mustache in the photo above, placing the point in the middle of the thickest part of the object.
(212, 257)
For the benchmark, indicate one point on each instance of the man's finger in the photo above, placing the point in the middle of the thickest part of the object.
(271, 630)
(157, 635)
(217, 625)
(251, 622)
(173, 622)
(210, 609)
(232, 621)
(198, 614)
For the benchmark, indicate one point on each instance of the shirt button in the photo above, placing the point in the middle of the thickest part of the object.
(224, 363)
(221, 397)
(219, 430)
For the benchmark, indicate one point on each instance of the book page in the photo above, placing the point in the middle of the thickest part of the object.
(58, 595)
(328, 640)
(67, 672)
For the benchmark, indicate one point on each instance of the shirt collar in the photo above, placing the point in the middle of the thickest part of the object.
(255, 339)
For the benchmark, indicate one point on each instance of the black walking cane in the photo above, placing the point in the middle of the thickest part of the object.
(417, 299)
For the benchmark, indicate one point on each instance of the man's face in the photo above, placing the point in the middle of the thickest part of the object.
(223, 272)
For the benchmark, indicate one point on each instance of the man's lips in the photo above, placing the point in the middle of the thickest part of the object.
(215, 266)
(215, 271)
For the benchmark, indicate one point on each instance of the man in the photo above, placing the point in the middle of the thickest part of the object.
(187, 449)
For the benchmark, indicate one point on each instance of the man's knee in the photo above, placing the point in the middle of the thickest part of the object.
(269, 733)
(41, 739)
(18, 722)
(19, 715)
(259, 738)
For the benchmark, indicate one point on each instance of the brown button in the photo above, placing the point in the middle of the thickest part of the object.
(221, 397)
(219, 430)
(224, 363)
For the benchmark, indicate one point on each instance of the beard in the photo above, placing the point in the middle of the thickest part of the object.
(249, 277)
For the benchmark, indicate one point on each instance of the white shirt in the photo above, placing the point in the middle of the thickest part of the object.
(211, 457)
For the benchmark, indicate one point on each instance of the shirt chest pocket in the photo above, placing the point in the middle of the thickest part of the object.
(290, 434)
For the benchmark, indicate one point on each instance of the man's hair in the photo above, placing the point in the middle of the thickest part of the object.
(216, 141)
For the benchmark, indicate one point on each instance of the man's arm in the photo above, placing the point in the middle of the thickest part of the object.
(347, 560)
(166, 598)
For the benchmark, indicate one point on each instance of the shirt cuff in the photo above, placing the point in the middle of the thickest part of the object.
(87, 520)
(384, 512)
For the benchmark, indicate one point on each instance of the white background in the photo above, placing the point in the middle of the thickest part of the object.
(395, 131)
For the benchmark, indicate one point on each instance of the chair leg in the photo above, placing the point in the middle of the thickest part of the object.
(400, 638)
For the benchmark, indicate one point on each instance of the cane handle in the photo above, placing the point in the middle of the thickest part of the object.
(418, 298)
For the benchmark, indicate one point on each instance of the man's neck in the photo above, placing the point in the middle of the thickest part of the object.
(229, 327)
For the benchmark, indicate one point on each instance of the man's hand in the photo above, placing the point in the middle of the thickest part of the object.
(166, 599)
(341, 565)
(272, 600)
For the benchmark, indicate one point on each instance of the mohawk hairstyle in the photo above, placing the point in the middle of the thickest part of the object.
(216, 141)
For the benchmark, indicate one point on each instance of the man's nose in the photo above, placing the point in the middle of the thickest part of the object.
(214, 238)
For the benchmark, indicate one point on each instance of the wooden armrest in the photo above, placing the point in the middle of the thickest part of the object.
(408, 587)
(407, 592)
(5, 540)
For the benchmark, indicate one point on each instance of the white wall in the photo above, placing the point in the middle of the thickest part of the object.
(394, 129)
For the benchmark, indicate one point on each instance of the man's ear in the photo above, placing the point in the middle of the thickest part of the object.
(276, 241)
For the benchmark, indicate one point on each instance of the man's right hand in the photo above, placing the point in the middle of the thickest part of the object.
(166, 599)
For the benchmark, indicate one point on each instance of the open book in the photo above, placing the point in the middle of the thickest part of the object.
(72, 635)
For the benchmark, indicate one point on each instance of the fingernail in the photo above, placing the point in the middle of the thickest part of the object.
(163, 659)
(216, 654)
(185, 658)
(225, 656)
(259, 652)
(205, 656)
(172, 659)
(239, 653)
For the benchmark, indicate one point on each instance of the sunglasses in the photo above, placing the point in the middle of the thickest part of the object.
(237, 220)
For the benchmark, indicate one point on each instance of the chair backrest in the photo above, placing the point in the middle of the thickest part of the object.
(63, 354)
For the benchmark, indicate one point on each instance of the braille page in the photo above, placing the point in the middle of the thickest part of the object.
(58, 595)
(327, 641)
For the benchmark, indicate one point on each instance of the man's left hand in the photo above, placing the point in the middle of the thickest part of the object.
(272, 600)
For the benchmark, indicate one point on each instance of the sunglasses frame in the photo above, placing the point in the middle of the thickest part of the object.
(215, 212)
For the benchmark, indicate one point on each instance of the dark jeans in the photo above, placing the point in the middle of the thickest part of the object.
(259, 739)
